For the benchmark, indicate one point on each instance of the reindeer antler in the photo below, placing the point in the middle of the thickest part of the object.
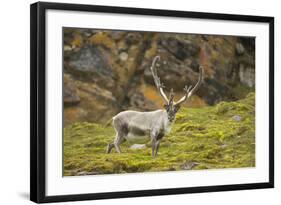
(157, 81)
(160, 86)
(188, 93)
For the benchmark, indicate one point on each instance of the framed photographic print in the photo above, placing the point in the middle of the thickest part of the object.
(129, 102)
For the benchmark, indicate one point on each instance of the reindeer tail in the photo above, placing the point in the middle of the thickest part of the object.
(108, 122)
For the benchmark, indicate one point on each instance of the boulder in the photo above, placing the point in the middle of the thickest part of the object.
(138, 146)
(237, 118)
(188, 165)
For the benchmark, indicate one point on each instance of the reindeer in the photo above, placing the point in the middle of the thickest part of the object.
(133, 125)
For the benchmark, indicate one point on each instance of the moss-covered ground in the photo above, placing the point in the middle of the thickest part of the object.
(221, 136)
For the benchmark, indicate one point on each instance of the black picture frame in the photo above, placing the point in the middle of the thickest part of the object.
(38, 100)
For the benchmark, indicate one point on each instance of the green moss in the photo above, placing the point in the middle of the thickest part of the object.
(210, 137)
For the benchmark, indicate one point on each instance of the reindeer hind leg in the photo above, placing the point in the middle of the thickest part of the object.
(121, 131)
(156, 147)
(118, 141)
(111, 145)
(109, 148)
(115, 144)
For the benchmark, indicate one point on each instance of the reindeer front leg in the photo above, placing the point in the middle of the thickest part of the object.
(154, 143)
(157, 147)
(118, 140)
(157, 143)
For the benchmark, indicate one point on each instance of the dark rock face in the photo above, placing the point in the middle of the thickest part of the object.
(137, 101)
(179, 62)
(91, 63)
(90, 60)
(106, 72)
(175, 80)
(212, 91)
(179, 47)
(70, 95)
(133, 38)
(173, 74)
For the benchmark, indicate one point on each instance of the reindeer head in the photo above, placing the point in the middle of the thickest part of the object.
(170, 105)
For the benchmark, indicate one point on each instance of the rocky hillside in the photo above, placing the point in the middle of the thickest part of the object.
(106, 72)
